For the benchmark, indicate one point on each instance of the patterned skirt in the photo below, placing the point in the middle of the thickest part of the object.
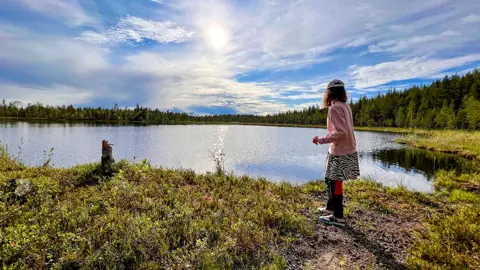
(342, 167)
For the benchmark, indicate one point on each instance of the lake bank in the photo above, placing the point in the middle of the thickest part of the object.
(276, 153)
(120, 122)
(146, 217)
(462, 143)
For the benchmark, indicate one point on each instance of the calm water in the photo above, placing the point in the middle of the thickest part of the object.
(277, 153)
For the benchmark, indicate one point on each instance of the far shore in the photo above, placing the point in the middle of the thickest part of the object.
(362, 128)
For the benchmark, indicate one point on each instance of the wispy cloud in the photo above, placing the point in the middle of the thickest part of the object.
(278, 55)
(135, 30)
(163, 2)
(54, 95)
(420, 67)
(472, 18)
(68, 10)
(417, 42)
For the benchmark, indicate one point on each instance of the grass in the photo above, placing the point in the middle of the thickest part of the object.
(463, 143)
(3, 150)
(147, 217)
(449, 181)
(450, 241)
(452, 236)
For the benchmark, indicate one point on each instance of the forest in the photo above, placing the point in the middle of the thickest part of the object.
(449, 103)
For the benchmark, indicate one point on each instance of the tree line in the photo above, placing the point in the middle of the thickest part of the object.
(452, 102)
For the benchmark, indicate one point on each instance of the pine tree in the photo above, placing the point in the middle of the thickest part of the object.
(411, 113)
(428, 119)
(472, 109)
(451, 116)
(475, 90)
(4, 107)
(442, 117)
(400, 117)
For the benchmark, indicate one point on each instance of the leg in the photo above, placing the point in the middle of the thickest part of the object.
(337, 198)
(335, 188)
(330, 194)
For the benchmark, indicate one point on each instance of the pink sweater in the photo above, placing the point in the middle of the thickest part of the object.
(340, 130)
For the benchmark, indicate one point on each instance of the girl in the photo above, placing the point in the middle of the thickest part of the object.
(342, 158)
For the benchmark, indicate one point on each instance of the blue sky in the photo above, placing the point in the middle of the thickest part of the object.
(219, 56)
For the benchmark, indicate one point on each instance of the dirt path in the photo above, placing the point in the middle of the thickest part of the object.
(370, 240)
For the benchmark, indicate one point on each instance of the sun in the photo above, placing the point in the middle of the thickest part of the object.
(217, 36)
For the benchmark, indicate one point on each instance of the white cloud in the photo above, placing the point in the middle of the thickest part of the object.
(264, 40)
(59, 54)
(56, 94)
(472, 18)
(302, 96)
(426, 42)
(165, 3)
(360, 41)
(135, 30)
(68, 10)
(420, 67)
(94, 37)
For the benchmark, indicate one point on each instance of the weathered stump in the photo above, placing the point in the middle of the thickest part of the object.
(107, 156)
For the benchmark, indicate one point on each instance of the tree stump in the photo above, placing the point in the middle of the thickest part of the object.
(107, 156)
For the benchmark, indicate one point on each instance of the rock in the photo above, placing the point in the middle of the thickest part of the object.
(11, 185)
(24, 188)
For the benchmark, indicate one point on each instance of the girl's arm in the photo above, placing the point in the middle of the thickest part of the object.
(337, 118)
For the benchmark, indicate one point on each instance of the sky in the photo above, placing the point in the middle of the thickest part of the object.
(228, 56)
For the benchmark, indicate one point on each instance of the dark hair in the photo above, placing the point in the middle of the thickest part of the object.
(332, 93)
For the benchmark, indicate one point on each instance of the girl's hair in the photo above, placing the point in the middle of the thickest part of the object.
(332, 93)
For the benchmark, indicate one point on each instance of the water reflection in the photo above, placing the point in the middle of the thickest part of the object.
(277, 153)
(422, 161)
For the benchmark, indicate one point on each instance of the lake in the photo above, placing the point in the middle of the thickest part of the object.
(276, 153)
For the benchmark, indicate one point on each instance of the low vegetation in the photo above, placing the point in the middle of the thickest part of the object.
(146, 217)
(452, 236)
(463, 143)
(156, 218)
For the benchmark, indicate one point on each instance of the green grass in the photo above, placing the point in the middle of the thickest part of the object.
(449, 181)
(463, 143)
(464, 196)
(147, 217)
(452, 236)
(450, 242)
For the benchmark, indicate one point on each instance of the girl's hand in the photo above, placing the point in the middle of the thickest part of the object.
(315, 140)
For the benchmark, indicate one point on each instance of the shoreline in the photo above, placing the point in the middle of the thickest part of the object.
(462, 143)
(146, 216)
(147, 123)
